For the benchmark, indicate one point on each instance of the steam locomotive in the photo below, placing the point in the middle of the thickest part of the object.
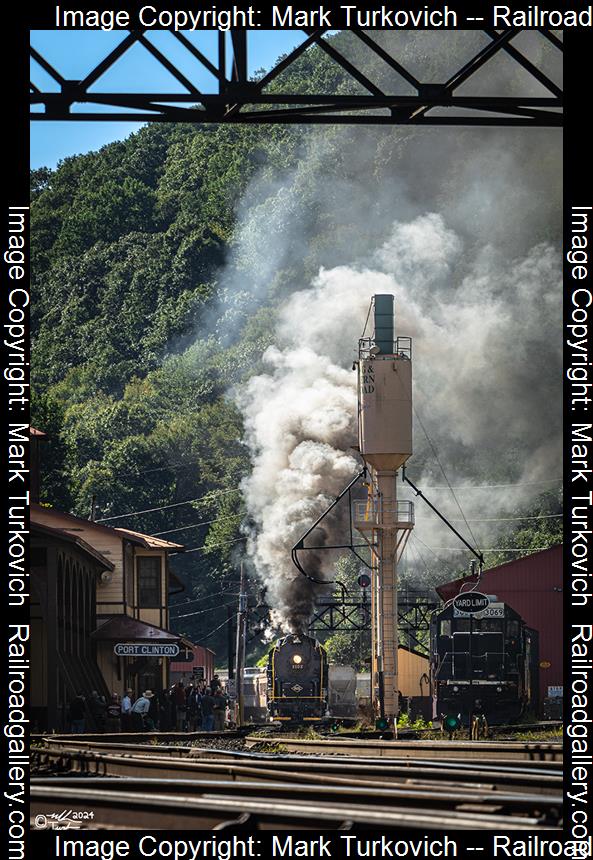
(485, 662)
(297, 680)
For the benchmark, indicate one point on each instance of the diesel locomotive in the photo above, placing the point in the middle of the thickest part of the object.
(297, 680)
(483, 663)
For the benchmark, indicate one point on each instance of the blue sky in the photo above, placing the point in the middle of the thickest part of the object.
(75, 52)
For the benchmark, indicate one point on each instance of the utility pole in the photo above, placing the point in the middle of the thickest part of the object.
(230, 646)
(240, 649)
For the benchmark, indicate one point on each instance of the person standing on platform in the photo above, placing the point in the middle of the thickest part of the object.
(76, 715)
(140, 710)
(126, 711)
(220, 704)
(178, 695)
(208, 711)
(98, 709)
(114, 714)
(165, 723)
(151, 721)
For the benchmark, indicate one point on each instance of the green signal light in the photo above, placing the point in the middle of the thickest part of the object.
(382, 723)
(451, 723)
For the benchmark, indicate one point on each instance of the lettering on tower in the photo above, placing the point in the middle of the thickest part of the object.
(368, 378)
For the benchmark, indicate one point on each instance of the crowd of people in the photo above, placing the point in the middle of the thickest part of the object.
(183, 708)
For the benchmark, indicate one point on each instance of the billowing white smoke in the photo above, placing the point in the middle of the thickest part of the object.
(486, 368)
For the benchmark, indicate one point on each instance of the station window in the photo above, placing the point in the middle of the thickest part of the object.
(149, 582)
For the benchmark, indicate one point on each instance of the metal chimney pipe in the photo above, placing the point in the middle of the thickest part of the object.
(384, 324)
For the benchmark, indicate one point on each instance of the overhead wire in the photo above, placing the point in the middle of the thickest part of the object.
(202, 611)
(167, 507)
(182, 604)
(496, 486)
(208, 635)
(215, 545)
(195, 525)
(435, 452)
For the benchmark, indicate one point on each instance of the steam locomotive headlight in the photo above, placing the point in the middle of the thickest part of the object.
(499, 689)
(455, 689)
(297, 659)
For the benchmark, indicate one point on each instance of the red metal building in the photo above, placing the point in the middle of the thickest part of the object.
(532, 586)
(198, 658)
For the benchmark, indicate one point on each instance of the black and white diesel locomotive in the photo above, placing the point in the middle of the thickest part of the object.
(483, 663)
(297, 680)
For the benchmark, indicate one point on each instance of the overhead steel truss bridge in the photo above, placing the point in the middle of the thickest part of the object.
(235, 97)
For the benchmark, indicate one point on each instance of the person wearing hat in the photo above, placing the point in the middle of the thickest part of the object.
(140, 709)
(126, 711)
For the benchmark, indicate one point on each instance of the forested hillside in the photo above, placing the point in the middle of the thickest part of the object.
(161, 262)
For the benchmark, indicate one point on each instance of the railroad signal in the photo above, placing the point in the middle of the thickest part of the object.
(364, 580)
(451, 723)
(382, 723)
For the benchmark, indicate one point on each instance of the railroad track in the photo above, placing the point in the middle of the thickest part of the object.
(128, 785)
(482, 750)
(546, 808)
(189, 763)
(500, 751)
(236, 806)
(407, 734)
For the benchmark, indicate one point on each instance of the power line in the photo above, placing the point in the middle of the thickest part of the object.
(493, 549)
(170, 467)
(202, 611)
(442, 468)
(208, 635)
(166, 507)
(238, 489)
(182, 604)
(195, 525)
(214, 545)
(496, 486)
(429, 548)
(510, 519)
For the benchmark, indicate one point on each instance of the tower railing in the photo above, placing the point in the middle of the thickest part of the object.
(375, 513)
(402, 348)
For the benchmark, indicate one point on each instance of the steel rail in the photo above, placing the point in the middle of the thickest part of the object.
(131, 810)
(546, 807)
(531, 751)
(308, 769)
(426, 751)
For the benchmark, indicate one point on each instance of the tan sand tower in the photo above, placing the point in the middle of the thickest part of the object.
(385, 441)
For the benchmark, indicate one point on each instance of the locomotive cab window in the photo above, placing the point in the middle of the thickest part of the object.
(445, 627)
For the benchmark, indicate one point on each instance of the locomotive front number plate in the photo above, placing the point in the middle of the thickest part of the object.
(494, 610)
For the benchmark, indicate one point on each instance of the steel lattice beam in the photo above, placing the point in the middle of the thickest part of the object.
(353, 615)
(236, 99)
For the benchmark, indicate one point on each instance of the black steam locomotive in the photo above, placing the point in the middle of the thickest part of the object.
(483, 663)
(297, 680)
